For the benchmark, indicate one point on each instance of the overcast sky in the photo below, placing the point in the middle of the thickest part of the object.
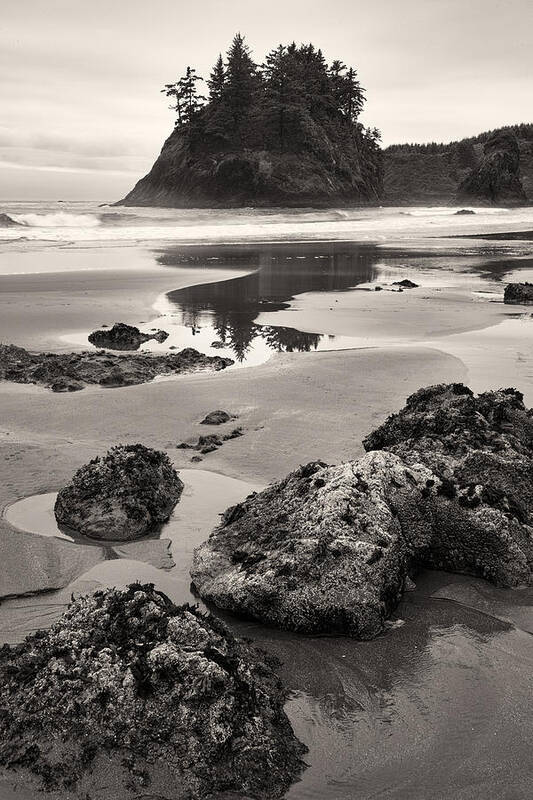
(82, 116)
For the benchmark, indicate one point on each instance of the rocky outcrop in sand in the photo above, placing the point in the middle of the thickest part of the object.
(480, 450)
(518, 294)
(120, 496)
(69, 372)
(328, 549)
(218, 417)
(322, 550)
(124, 337)
(128, 690)
(406, 284)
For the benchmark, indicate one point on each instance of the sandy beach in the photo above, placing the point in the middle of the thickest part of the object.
(451, 638)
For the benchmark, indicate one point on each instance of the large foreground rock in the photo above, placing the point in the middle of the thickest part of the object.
(120, 496)
(328, 549)
(155, 700)
(480, 449)
(323, 550)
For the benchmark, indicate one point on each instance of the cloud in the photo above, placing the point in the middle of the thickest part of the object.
(58, 168)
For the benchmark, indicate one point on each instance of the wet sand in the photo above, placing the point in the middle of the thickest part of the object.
(85, 292)
(438, 707)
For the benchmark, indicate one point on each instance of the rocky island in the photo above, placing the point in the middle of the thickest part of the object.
(446, 484)
(70, 372)
(120, 496)
(283, 134)
(157, 700)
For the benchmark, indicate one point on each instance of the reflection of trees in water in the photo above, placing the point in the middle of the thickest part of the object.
(287, 340)
(282, 271)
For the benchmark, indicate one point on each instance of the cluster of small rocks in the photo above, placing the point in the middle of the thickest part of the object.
(210, 442)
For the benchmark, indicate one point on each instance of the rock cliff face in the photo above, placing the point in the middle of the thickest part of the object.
(325, 173)
(448, 484)
(128, 690)
(120, 496)
(497, 178)
(462, 172)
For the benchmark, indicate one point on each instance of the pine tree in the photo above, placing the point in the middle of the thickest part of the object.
(217, 81)
(281, 93)
(240, 85)
(191, 100)
(187, 100)
(354, 96)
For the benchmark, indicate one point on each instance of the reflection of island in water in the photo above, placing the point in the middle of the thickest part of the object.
(282, 271)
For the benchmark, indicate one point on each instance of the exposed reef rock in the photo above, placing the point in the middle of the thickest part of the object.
(328, 549)
(497, 178)
(218, 417)
(124, 337)
(156, 700)
(518, 294)
(406, 284)
(120, 496)
(211, 442)
(464, 212)
(69, 372)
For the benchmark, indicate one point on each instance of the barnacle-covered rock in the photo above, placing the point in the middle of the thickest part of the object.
(128, 685)
(120, 496)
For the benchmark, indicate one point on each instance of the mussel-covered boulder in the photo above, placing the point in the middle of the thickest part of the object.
(447, 483)
(155, 700)
(516, 294)
(120, 496)
(480, 450)
(324, 550)
(124, 337)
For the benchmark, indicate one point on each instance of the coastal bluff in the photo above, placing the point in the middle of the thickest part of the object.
(493, 168)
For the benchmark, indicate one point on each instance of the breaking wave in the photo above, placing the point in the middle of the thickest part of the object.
(60, 219)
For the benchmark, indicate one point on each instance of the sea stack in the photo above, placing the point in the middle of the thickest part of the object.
(252, 145)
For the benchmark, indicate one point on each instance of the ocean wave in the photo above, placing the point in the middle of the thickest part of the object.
(59, 219)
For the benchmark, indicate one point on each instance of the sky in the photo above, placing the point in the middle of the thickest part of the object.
(82, 116)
